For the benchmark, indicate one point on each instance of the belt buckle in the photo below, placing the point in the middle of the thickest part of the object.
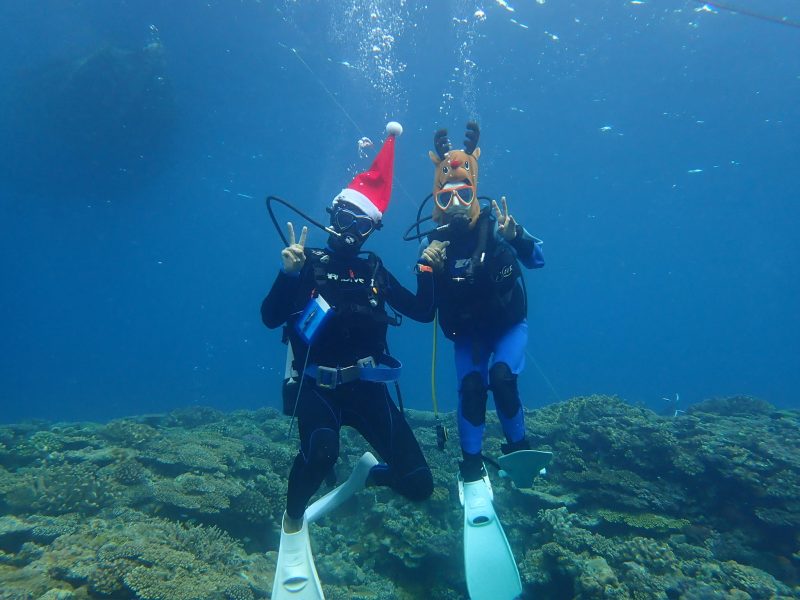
(327, 377)
(367, 362)
(349, 374)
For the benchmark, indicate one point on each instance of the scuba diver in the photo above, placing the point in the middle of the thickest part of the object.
(482, 307)
(334, 303)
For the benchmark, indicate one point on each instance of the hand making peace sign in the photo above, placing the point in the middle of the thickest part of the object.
(293, 256)
(506, 224)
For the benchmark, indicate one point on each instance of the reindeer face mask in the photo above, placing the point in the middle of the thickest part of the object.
(455, 180)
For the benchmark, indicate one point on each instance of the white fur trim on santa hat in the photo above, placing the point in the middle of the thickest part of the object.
(394, 128)
(361, 201)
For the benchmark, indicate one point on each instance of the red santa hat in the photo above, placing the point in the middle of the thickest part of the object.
(370, 191)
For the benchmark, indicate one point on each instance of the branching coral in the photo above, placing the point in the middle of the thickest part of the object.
(201, 493)
(60, 489)
(645, 507)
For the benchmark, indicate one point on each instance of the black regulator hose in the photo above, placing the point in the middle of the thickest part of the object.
(278, 228)
(409, 237)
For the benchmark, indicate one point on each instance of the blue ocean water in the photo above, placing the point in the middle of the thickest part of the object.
(653, 145)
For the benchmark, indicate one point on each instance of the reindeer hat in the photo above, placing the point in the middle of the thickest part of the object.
(455, 180)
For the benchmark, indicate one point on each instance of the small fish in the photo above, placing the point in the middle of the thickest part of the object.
(706, 8)
(504, 4)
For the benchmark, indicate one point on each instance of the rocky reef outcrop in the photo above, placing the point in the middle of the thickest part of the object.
(187, 505)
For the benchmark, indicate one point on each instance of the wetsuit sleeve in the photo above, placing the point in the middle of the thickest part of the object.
(278, 305)
(417, 306)
(528, 248)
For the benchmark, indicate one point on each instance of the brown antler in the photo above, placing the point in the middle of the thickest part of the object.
(440, 143)
(472, 135)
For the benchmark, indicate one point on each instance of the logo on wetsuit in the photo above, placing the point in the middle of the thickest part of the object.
(351, 278)
(504, 272)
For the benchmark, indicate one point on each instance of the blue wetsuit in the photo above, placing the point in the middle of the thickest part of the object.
(482, 304)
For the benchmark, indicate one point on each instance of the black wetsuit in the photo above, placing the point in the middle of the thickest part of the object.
(358, 289)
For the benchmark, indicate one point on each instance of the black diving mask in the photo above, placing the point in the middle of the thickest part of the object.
(350, 227)
(345, 219)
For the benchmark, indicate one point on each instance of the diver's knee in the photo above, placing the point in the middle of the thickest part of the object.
(500, 374)
(504, 389)
(473, 398)
(323, 448)
(418, 485)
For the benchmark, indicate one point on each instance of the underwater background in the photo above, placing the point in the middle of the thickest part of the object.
(653, 145)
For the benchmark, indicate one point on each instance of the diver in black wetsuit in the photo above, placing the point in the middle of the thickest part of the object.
(344, 369)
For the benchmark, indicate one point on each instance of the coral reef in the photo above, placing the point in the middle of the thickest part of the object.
(187, 505)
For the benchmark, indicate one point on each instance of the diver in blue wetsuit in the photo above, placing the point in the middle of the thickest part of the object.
(480, 297)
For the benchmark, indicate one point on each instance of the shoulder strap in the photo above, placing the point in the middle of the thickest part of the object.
(374, 264)
(484, 224)
(378, 281)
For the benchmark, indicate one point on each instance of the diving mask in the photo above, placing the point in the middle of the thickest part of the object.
(346, 220)
(455, 196)
(350, 227)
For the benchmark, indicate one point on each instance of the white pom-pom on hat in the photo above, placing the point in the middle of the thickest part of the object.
(394, 128)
